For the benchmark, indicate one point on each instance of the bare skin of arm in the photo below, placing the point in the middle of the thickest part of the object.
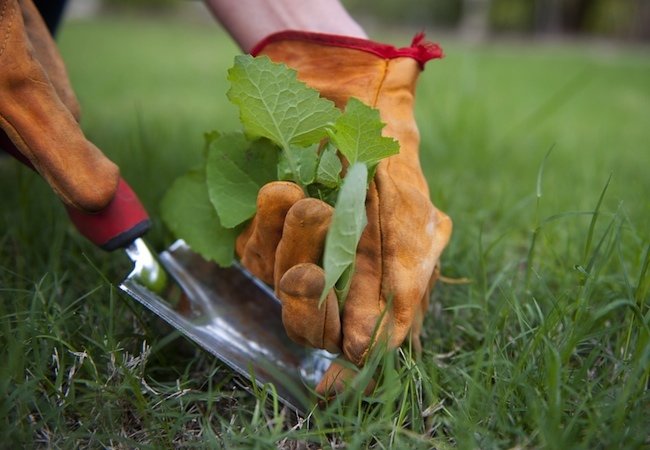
(250, 21)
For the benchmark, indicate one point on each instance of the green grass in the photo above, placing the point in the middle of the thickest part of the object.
(538, 152)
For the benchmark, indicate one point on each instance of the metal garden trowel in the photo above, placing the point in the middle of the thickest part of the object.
(231, 314)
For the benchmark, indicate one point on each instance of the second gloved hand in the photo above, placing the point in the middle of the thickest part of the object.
(400, 247)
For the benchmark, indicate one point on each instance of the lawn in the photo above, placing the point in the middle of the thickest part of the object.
(540, 338)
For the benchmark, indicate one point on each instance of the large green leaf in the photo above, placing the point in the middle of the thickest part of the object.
(274, 104)
(187, 211)
(329, 168)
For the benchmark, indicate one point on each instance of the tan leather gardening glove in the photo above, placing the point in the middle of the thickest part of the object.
(400, 248)
(39, 112)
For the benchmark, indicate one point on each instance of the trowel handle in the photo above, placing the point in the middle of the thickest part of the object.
(117, 225)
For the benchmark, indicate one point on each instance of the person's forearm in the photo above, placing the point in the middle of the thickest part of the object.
(250, 21)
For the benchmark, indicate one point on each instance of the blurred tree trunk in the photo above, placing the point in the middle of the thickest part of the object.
(576, 13)
(548, 16)
(475, 22)
(642, 25)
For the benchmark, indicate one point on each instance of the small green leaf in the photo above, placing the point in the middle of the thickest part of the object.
(284, 172)
(274, 104)
(348, 223)
(329, 168)
(304, 160)
(236, 170)
(187, 211)
(357, 134)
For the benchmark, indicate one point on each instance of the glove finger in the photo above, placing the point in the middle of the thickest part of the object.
(256, 246)
(339, 376)
(303, 236)
(41, 127)
(306, 323)
(399, 283)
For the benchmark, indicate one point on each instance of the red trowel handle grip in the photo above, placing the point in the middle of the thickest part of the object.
(116, 226)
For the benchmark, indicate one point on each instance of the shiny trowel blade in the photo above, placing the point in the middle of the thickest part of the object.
(234, 316)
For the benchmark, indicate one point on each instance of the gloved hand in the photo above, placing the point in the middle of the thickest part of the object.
(39, 112)
(400, 248)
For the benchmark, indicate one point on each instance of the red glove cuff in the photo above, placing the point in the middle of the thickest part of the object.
(420, 49)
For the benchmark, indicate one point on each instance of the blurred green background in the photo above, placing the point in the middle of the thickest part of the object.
(629, 19)
(622, 19)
